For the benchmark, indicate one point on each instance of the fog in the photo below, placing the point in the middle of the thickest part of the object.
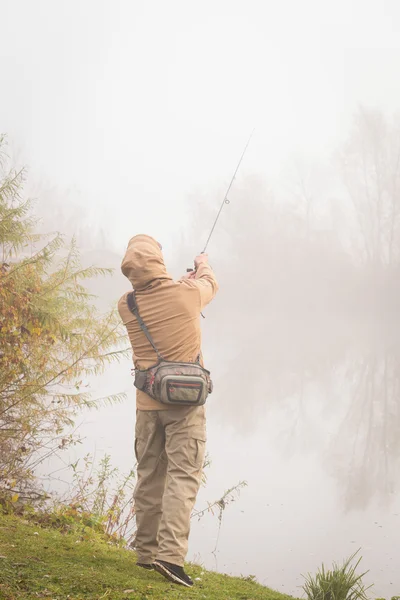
(131, 117)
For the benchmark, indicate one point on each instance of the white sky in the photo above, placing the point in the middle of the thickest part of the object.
(136, 104)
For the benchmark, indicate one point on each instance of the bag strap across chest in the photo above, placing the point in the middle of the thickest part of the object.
(133, 307)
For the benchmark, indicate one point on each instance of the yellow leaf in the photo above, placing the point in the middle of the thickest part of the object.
(14, 498)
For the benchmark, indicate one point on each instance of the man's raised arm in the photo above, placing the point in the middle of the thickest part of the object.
(203, 278)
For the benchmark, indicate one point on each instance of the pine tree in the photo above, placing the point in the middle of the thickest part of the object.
(52, 337)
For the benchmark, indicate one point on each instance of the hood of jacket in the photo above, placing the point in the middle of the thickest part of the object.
(143, 262)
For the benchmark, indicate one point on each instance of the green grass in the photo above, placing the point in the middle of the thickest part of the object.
(342, 582)
(83, 566)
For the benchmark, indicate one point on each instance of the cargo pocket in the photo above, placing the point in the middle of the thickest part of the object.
(139, 448)
(197, 448)
(145, 430)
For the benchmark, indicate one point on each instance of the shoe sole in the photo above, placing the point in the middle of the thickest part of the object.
(169, 575)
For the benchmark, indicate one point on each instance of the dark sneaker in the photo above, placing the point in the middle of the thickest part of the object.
(146, 566)
(172, 573)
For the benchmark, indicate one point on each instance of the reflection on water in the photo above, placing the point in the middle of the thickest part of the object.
(365, 451)
(337, 387)
(312, 422)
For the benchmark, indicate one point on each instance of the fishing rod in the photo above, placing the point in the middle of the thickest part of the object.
(226, 199)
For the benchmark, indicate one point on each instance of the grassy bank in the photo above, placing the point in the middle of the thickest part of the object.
(44, 563)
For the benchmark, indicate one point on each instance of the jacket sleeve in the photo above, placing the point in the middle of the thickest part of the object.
(206, 283)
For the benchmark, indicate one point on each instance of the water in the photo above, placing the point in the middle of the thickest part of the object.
(313, 427)
(301, 506)
(306, 411)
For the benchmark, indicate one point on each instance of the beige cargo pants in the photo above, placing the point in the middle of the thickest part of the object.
(169, 448)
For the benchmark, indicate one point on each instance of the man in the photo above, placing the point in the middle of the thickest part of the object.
(169, 440)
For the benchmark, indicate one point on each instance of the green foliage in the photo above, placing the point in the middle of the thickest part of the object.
(82, 565)
(52, 339)
(100, 499)
(67, 519)
(103, 498)
(340, 583)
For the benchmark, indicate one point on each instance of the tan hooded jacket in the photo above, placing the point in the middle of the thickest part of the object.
(171, 310)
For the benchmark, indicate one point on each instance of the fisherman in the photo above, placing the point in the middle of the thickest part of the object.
(169, 438)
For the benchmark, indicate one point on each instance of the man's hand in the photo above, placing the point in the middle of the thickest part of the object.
(201, 259)
(190, 275)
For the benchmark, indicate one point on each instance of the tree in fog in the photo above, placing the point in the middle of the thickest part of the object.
(365, 452)
(52, 338)
(293, 304)
(370, 167)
